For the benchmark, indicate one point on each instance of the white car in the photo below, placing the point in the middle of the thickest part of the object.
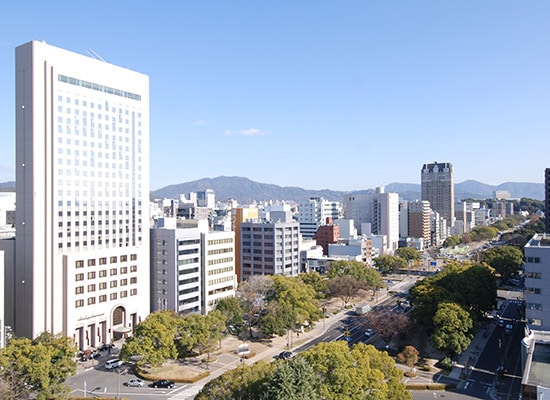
(369, 332)
(135, 383)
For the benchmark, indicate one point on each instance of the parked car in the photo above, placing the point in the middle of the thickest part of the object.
(135, 383)
(508, 329)
(163, 383)
(114, 363)
(285, 355)
(369, 332)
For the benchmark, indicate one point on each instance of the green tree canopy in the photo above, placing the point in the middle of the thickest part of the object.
(331, 371)
(38, 367)
(453, 328)
(231, 308)
(294, 379)
(244, 382)
(506, 260)
(291, 293)
(342, 267)
(318, 282)
(388, 264)
(154, 338)
(408, 254)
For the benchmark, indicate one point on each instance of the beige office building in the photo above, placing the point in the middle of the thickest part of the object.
(82, 173)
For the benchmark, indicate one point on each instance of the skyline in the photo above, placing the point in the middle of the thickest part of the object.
(314, 95)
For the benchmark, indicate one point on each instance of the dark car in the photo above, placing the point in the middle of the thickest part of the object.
(286, 355)
(163, 383)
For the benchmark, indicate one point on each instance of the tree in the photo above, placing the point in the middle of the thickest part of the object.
(278, 319)
(373, 279)
(39, 367)
(453, 326)
(409, 356)
(452, 241)
(345, 288)
(359, 373)
(351, 268)
(317, 282)
(480, 233)
(294, 379)
(408, 254)
(154, 339)
(231, 308)
(328, 370)
(388, 264)
(252, 294)
(292, 294)
(244, 382)
(506, 260)
(386, 324)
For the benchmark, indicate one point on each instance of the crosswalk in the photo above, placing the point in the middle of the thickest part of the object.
(188, 393)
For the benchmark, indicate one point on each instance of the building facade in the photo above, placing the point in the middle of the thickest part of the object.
(270, 248)
(537, 282)
(175, 267)
(82, 173)
(419, 220)
(437, 184)
(314, 213)
(219, 279)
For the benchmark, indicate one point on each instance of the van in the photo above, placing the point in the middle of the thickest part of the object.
(114, 363)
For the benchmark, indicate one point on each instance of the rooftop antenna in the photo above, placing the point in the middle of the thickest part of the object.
(92, 53)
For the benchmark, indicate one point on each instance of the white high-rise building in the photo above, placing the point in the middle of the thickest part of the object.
(82, 173)
(315, 212)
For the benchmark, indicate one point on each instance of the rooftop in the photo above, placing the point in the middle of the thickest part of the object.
(539, 240)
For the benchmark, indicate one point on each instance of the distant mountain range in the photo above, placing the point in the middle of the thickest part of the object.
(244, 190)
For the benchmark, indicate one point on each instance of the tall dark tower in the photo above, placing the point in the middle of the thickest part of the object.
(437, 181)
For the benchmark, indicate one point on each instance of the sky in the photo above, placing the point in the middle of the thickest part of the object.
(341, 95)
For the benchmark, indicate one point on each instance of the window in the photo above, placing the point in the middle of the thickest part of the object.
(79, 290)
(79, 277)
(133, 268)
(91, 300)
(103, 273)
(103, 261)
(133, 292)
(124, 270)
(91, 262)
(103, 298)
(103, 286)
(133, 280)
(113, 296)
(91, 275)
(91, 288)
(123, 258)
(114, 271)
(79, 303)
(123, 282)
(79, 263)
(113, 260)
(113, 284)
(124, 293)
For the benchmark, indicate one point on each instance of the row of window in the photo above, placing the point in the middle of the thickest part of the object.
(103, 273)
(214, 242)
(103, 285)
(97, 87)
(223, 270)
(224, 260)
(533, 275)
(103, 260)
(217, 281)
(103, 298)
(529, 290)
(220, 251)
(533, 260)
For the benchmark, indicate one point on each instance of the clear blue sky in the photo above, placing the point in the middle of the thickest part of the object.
(344, 95)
